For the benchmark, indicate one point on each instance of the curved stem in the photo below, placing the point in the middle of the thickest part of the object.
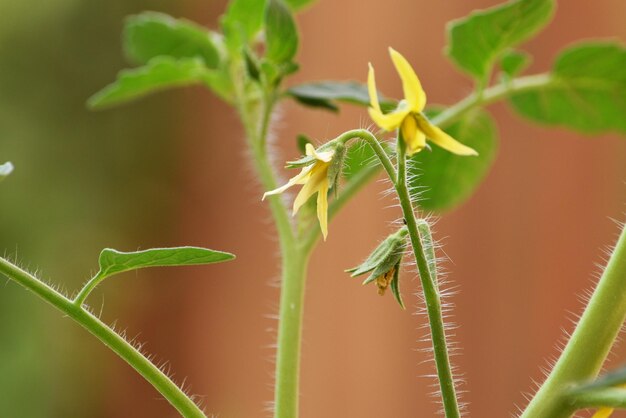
(601, 398)
(161, 382)
(357, 183)
(87, 288)
(430, 289)
(590, 343)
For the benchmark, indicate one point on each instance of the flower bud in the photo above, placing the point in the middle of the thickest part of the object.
(383, 264)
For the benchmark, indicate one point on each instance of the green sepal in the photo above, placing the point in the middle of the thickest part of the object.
(395, 286)
(386, 254)
(336, 165)
(310, 159)
(428, 244)
(5, 169)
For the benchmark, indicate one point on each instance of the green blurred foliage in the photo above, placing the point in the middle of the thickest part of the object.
(82, 181)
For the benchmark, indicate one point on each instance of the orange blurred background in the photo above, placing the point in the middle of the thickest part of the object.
(522, 250)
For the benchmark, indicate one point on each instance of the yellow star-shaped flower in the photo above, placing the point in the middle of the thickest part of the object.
(315, 179)
(408, 116)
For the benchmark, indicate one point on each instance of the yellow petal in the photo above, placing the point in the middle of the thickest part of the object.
(389, 121)
(414, 139)
(318, 175)
(300, 178)
(413, 92)
(439, 137)
(603, 413)
(322, 207)
(371, 88)
(324, 156)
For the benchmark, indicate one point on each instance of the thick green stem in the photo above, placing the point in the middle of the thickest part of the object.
(110, 338)
(590, 343)
(290, 334)
(431, 292)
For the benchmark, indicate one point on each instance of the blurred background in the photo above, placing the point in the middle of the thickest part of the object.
(171, 170)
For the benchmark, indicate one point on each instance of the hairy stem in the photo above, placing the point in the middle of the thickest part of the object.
(590, 343)
(163, 384)
(430, 289)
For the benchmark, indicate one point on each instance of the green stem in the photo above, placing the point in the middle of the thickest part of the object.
(430, 289)
(110, 338)
(87, 288)
(608, 397)
(590, 343)
(290, 334)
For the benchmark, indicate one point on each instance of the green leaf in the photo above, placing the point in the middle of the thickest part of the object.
(514, 62)
(5, 170)
(151, 34)
(281, 34)
(242, 21)
(301, 141)
(476, 41)
(159, 74)
(359, 156)
(444, 180)
(114, 262)
(298, 4)
(325, 93)
(587, 91)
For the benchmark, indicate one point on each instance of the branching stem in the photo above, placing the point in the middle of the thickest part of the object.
(110, 338)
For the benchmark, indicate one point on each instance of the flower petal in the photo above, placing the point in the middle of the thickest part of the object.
(389, 121)
(324, 156)
(414, 139)
(300, 178)
(322, 207)
(603, 413)
(371, 88)
(439, 137)
(318, 175)
(413, 91)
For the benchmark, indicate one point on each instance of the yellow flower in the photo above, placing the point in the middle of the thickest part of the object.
(603, 413)
(315, 179)
(408, 116)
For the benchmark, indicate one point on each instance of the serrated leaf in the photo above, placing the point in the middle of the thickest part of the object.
(587, 90)
(325, 93)
(281, 34)
(151, 34)
(114, 262)
(476, 41)
(514, 62)
(159, 74)
(445, 180)
(5, 170)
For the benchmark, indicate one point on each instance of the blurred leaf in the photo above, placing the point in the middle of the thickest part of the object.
(445, 180)
(151, 34)
(298, 4)
(159, 74)
(252, 64)
(242, 21)
(281, 34)
(114, 262)
(587, 92)
(611, 379)
(476, 41)
(325, 93)
(301, 141)
(514, 62)
(359, 156)
(5, 170)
